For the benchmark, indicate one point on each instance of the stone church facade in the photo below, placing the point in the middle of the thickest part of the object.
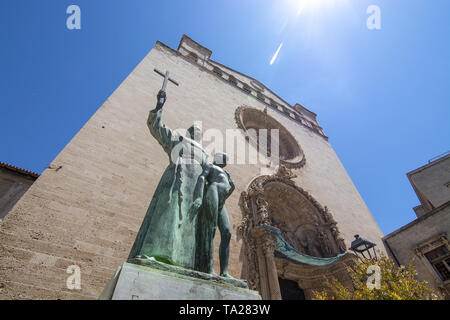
(85, 209)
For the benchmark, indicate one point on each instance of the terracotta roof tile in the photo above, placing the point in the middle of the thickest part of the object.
(19, 170)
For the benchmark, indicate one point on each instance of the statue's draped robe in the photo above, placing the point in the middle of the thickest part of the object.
(168, 232)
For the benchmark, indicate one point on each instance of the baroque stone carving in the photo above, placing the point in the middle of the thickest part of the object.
(285, 174)
(271, 200)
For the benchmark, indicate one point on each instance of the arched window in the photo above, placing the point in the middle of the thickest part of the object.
(247, 88)
(275, 105)
(217, 71)
(232, 80)
(260, 96)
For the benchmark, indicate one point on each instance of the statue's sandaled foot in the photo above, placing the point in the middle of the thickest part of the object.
(213, 273)
(226, 275)
(237, 282)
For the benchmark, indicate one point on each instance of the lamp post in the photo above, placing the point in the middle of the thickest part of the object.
(361, 245)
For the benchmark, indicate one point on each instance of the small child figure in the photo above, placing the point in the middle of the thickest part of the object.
(219, 187)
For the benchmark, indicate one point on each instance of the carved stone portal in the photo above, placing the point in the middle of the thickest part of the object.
(277, 202)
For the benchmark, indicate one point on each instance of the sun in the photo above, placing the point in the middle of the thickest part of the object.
(301, 6)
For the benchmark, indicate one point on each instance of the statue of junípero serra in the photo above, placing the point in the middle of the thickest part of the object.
(167, 233)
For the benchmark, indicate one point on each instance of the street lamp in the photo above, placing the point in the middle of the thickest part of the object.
(361, 245)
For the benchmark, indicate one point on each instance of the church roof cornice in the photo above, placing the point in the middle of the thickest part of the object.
(431, 163)
(251, 78)
(286, 110)
(418, 220)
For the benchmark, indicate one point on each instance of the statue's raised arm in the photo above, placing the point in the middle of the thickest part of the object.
(165, 136)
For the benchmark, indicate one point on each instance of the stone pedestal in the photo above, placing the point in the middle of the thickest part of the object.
(143, 282)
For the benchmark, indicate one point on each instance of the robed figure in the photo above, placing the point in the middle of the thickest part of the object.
(168, 231)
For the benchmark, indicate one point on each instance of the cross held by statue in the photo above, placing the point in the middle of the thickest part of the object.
(166, 78)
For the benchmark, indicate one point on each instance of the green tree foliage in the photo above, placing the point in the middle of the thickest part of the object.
(396, 283)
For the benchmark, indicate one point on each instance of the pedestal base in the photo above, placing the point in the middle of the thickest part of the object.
(138, 282)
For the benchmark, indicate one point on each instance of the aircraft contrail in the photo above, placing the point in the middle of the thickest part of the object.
(276, 53)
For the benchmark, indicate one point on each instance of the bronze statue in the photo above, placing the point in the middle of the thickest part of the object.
(188, 204)
(166, 234)
(219, 186)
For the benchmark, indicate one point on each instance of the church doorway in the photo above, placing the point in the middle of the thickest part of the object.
(292, 243)
(290, 290)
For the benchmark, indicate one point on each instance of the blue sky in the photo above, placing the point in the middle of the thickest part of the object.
(382, 96)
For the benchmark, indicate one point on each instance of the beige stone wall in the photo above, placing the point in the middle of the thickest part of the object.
(432, 183)
(89, 211)
(405, 240)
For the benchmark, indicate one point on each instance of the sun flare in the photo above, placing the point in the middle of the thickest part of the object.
(301, 6)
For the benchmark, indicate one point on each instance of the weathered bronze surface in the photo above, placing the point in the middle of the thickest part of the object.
(188, 204)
